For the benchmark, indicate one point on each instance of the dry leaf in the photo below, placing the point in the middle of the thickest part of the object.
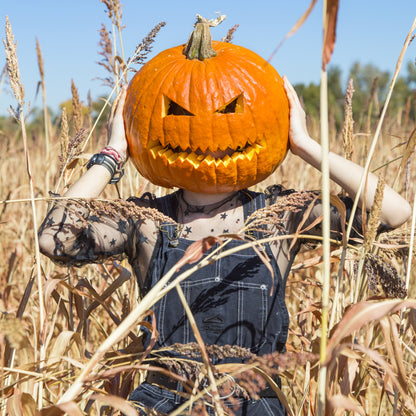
(331, 14)
(361, 314)
(339, 401)
(295, 28)
(68, 408)
(196, 250)
(116, 403)
(21, 404)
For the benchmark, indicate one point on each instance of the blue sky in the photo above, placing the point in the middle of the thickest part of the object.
(369, 31)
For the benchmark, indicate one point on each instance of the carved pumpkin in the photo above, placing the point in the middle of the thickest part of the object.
(207, 119)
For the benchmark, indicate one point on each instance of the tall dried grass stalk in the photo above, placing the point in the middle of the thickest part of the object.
(115, 13)
(46, 120)
(215, 394)
(18, 90)
(348, 129)
(330, 12)
(373, 102)
(411, 245)
(326, 267)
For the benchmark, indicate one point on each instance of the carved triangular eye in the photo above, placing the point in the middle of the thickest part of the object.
(236, 105)
(170, 108)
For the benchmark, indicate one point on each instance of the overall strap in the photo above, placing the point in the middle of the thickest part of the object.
(252, 202)
(168, 205)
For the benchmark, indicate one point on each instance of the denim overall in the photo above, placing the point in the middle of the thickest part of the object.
(231, 302)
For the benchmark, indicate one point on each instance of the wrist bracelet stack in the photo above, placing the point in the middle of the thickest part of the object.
(111, 159)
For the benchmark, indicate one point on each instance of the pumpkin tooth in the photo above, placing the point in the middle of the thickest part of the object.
(208, 159)
(151, 144)
(225, 161)
(170, 155)
(250, 153)
(156, 150)
(182, 156)
(262, 142)
(195, 159)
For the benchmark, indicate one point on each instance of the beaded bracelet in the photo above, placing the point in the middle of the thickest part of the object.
(110, 151)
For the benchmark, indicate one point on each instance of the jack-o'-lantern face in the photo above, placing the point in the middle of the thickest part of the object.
(207, 125)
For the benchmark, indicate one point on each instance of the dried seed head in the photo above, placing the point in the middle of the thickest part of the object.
(144, 48)
(76, 107)
(230, 34)
(125, 310)
(274, 217)
(64, 139)
(193, 350)
(374, 220)
(40, 61)
(383, 273)
(13, 65)
(114, 11)
(108, 61)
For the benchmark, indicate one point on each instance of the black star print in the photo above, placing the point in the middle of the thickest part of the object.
(224, 215)
(112, 242)
(188, 230)
(143, 239)
(122, 226)
(140, 222)
(225, 231)
(94, 218)
(50, 222)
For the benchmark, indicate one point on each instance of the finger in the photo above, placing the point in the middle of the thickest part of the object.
(116, 102)
(290, 91)
(292, 94)
(121, 98)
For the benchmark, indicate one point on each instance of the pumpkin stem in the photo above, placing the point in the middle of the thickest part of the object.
(199, 45)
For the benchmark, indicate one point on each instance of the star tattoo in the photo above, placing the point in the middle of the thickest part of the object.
(188, 230)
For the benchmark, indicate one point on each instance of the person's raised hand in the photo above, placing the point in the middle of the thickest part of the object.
(298, 132)
(115, 125)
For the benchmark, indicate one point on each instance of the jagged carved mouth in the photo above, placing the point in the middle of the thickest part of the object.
(196, 157)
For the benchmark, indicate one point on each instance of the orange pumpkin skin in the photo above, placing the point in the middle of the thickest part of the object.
(208, 147)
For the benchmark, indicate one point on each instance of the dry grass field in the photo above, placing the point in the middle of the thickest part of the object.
(54, 319)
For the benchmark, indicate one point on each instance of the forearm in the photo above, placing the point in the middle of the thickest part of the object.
(91, 184)
(347, 174)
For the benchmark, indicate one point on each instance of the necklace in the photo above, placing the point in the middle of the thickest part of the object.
(203, 209)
